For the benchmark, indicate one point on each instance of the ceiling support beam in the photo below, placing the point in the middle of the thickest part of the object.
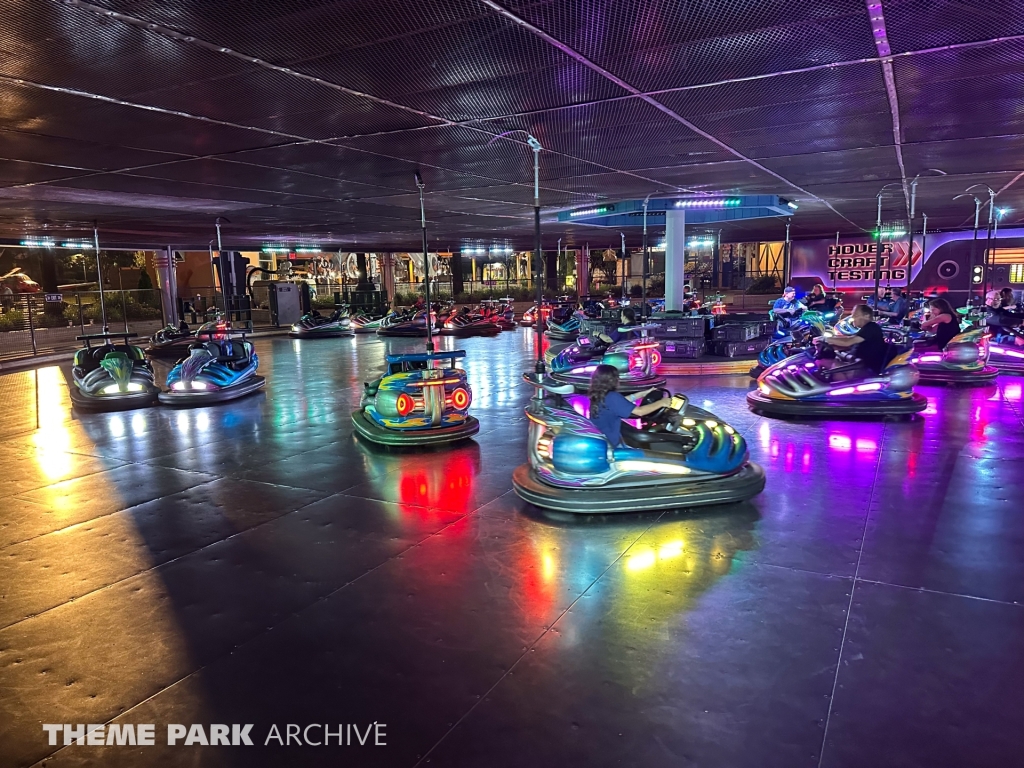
(877, 19)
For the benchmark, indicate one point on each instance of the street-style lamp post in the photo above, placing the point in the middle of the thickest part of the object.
(910, 226)
(99, 275)
(878, 242)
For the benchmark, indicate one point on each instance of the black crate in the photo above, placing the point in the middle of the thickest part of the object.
(683, 349)
(737, 332)
(682, 328)
(739, 348)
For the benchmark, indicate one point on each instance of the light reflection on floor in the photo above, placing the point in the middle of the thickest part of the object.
(415, 580)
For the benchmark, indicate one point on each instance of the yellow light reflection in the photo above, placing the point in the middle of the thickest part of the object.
(53, 440)
(641, 560)
(672, 549)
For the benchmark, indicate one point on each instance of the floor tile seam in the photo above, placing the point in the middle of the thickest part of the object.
(259, 633)
(152, 567)
(213, 479)
(849, 611)
(120, 463)
(932, 591)
(533, 644)
(795, 569)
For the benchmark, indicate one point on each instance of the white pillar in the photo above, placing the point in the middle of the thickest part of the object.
(167, 281)
(675, 258)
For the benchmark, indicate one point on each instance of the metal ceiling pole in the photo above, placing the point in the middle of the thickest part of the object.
(99, 274)
(785, 259)
(988, 235)
(426, 265)
(924, 238)
(220, 255)
(623, 237)
(910, 225)
(878, 241)
(974, 242)
(836, 269)
(538, 256)
(558, 262)
(644, 268)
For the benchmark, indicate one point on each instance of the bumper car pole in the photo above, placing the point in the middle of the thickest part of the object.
(538, 256)
(643, 268)
(99, 274)
(426, 266)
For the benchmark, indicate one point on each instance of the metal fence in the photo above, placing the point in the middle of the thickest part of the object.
(30, 325)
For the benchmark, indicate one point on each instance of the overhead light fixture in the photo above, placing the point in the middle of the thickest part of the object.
(701, 242)
(598, 211)
(890, 232)
(792, 205)
(275, 249)
(1002, 211)
(83, 245)
(708, 202)
(308, 249)
(38, 242)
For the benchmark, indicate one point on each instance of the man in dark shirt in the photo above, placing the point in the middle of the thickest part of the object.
(868, 343)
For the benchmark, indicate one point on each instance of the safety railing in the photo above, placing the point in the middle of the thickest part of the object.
(30, 325)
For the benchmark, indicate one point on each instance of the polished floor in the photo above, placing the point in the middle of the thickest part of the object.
(253, 563)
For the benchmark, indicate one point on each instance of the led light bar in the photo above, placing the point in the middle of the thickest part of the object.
(275, 249)
(708, 202)
(308, 249)
(38, 242)
(598, 211)
(84, 245)
(698, 242)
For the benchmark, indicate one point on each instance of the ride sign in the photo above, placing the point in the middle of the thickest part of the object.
(54, 297)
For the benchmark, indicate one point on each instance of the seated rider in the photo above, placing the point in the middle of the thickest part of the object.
(817, 299)
(627, 317)
(608, 407)
(787, 307)
(896, 309)
(868, 344)
(1000, 317)
(942, 322)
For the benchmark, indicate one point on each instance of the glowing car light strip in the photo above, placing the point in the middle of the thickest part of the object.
(842, 391)
(873, 386)
(929, 358)
(634, 465)
(434, 382)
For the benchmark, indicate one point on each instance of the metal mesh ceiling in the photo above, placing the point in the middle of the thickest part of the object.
(305, 119)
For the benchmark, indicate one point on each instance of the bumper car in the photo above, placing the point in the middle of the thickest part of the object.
(505, 315)
(566, 330)
(963, 361)
(363, 323)
(316, 326)
(220, 366)
(111, 376)
(404, 324)
(416, 403)
(1006, 350)
(801, 386)
(634, 358)
(680, 457)
(171, 341)
(466, 323)
(802, 332)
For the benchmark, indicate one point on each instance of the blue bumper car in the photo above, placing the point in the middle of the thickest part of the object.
(564, 324)
(417, 403)
(635, 359)
(681, 457)
(316, 326)
(800, 386)
(221, 366)
(113, 375)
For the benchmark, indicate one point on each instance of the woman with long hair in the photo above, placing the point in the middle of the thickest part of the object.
(608, 406)
(942, 322)
(817, 299)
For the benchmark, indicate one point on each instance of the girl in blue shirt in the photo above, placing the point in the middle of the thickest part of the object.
(608, 407)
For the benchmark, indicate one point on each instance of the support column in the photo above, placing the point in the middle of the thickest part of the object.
(675, 259)
(387, 275)
(582, 286)
(167, 281)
